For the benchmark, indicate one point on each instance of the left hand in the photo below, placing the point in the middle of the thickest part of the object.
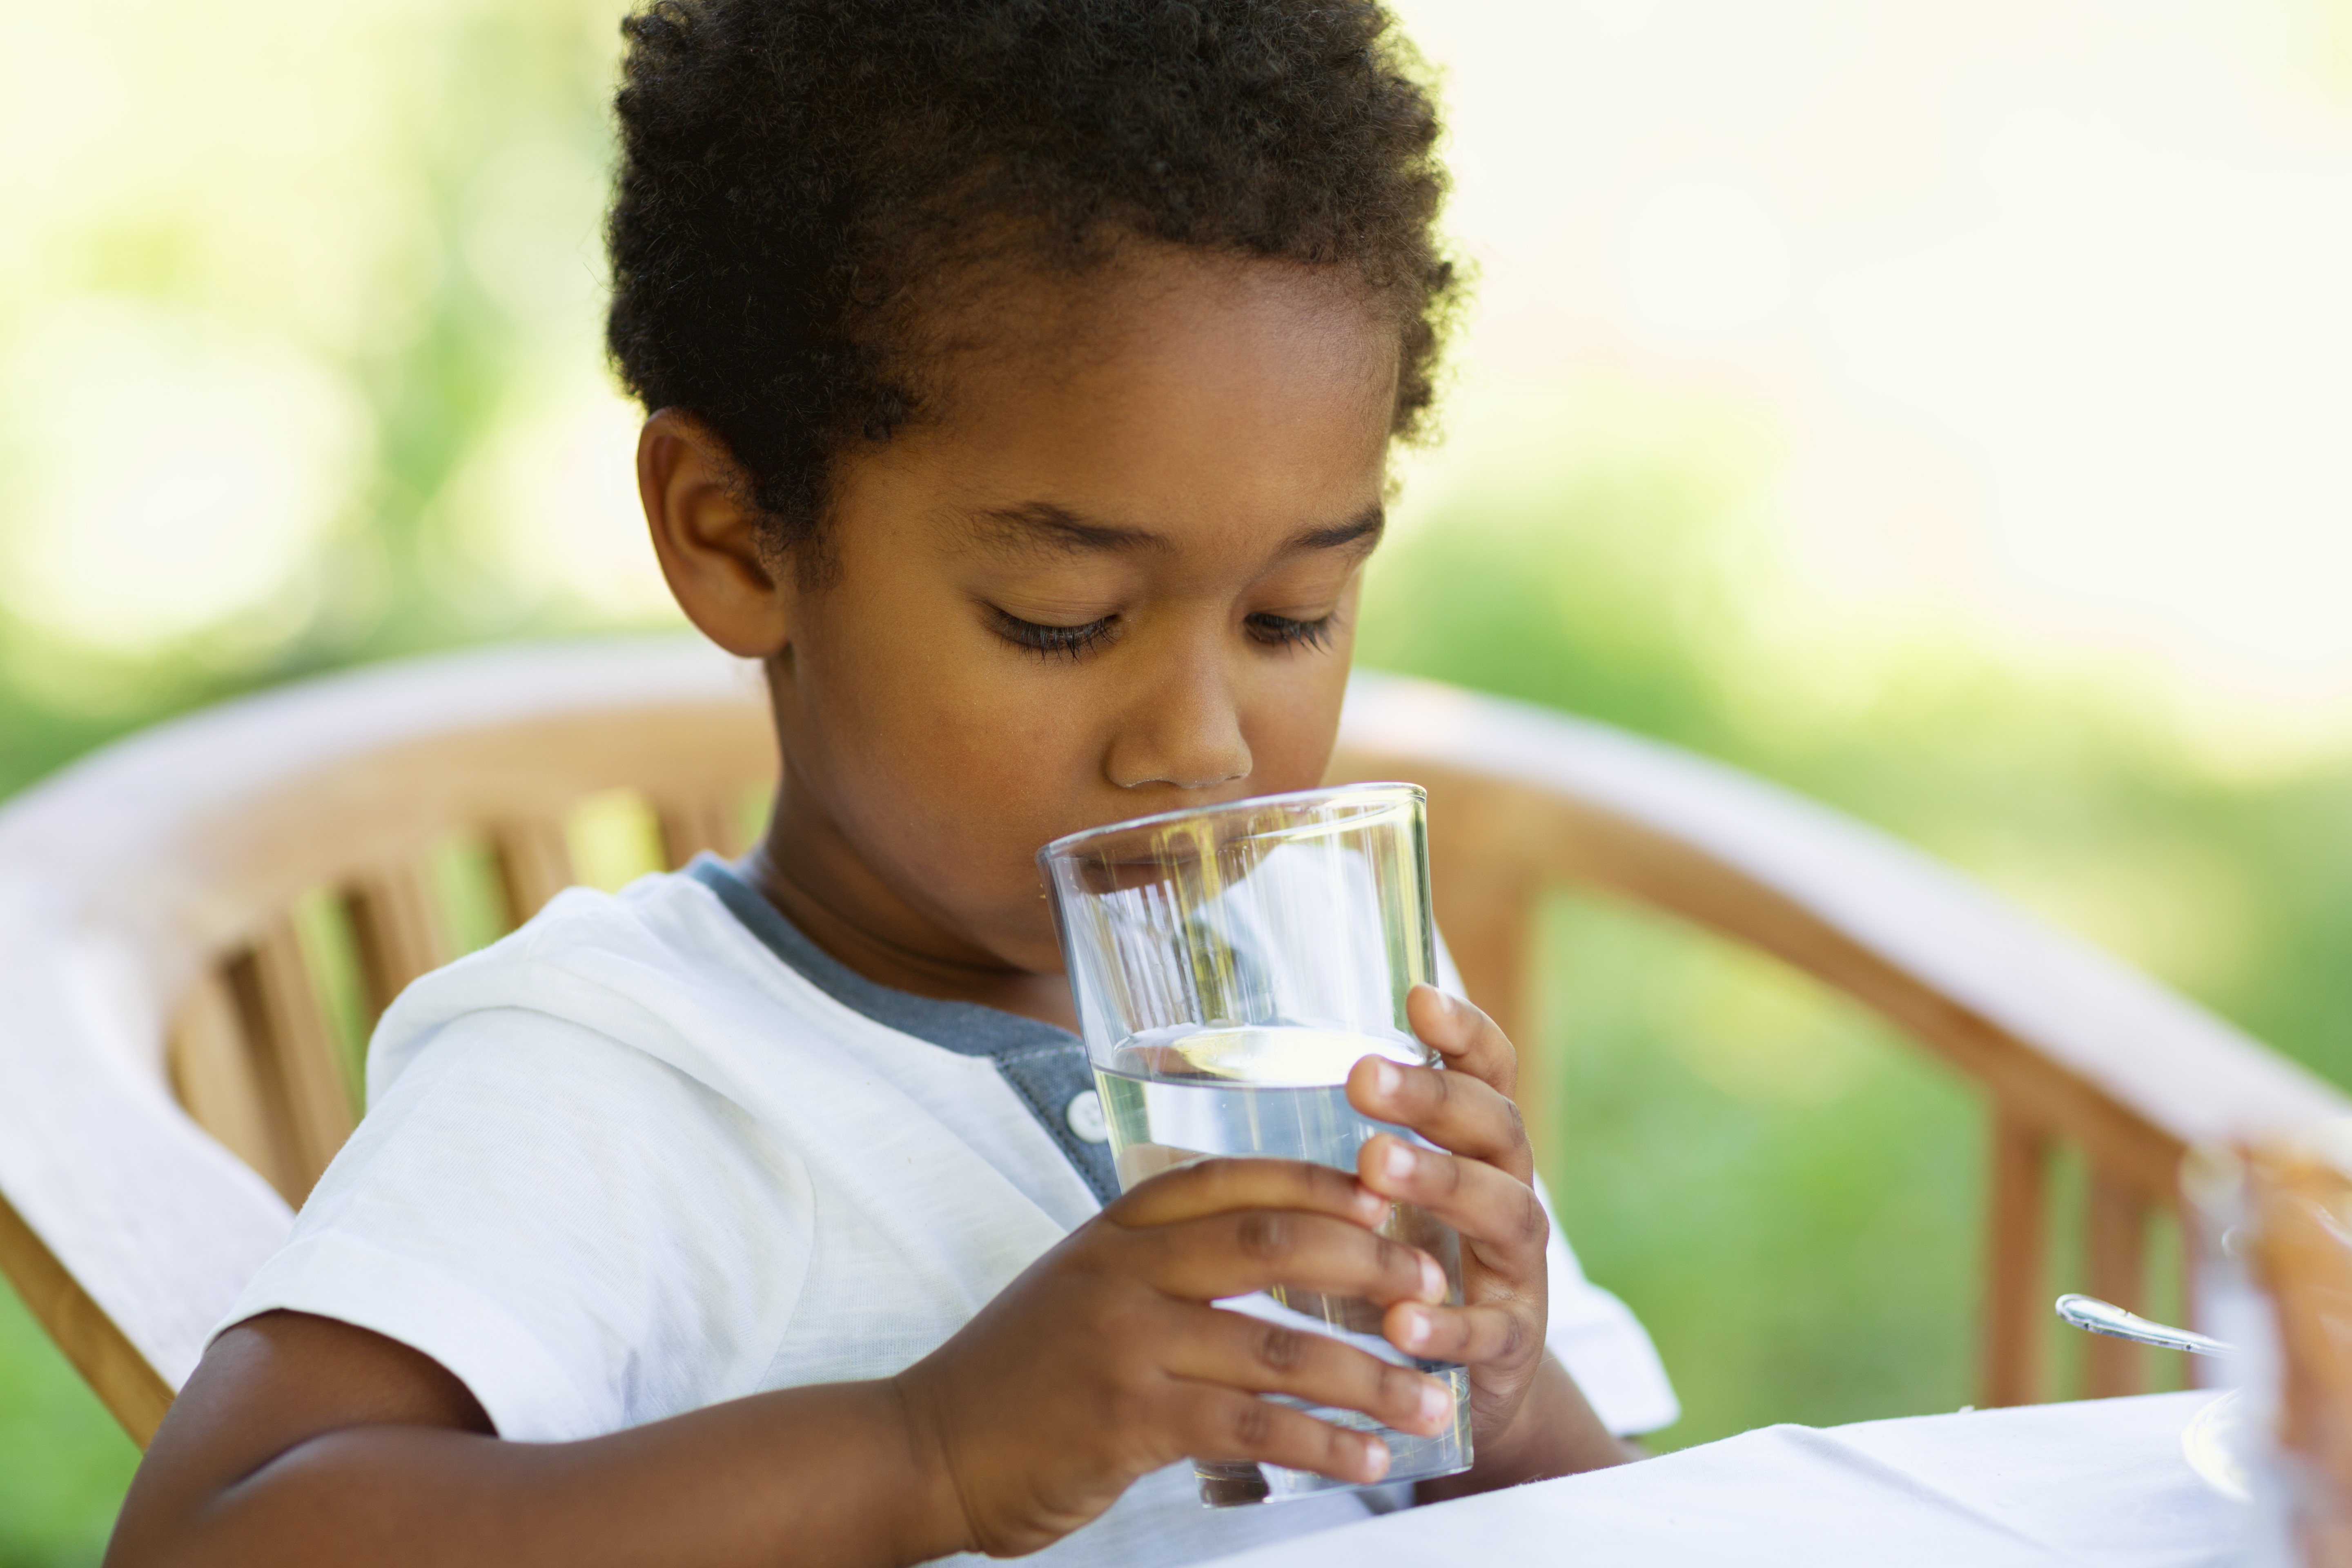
(1480, 1180)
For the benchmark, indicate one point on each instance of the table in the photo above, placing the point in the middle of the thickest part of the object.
(2101, 1482)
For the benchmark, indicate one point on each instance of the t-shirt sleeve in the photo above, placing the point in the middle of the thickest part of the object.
(1595, 1334)
(584, 1236)
(1602, 1344)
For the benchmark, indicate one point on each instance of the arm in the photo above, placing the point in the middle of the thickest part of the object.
(302, 1440)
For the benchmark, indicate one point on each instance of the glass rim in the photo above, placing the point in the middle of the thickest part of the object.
(1069, 842)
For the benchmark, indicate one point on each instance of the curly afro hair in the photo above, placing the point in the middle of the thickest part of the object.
(802, 181)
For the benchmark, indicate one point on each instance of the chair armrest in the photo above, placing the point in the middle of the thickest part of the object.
(126, 1229)
(2067, 1038)
(125, 878)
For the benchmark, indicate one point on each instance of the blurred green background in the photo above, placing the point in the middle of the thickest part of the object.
(298, 368)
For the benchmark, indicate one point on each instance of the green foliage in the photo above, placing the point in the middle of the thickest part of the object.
(1784, 1191)
(64, 1463)
(1615, 582)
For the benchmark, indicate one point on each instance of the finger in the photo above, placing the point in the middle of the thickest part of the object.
(1493, 1209)
(1220, 1424)
(1501, 1335)
(1451, 1110)
(1468, 1039)
(1241, 1352)
(1217, 1186)
(1223, 1255)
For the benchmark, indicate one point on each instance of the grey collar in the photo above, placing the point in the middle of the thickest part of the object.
(1044, 1066)
(967, 1028)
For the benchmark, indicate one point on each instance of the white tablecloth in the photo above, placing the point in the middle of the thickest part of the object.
(2100, 1482)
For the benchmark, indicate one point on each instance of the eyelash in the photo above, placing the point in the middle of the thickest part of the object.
(1281, 631)
(1077, 642)
(1054, 642)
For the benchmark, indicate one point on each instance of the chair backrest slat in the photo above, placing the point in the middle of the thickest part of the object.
(534, 864)
(222, 1086)
(288, 1030)
(693, 823)
(2115, 1238)
(397, 933)
(2013, 1318)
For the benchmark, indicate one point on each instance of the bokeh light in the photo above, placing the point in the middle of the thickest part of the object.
(164, 472)
(1938, 406)
(2041, 307)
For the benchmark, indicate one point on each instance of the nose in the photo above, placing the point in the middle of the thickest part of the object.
(1185, 732)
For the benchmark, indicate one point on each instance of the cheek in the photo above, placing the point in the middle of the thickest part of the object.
(1000, 770)
(1291, 708)
(914, 688)
(998, 742)
(1291, 721)
(946, 764)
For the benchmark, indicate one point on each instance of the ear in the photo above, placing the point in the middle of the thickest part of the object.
(707, 535)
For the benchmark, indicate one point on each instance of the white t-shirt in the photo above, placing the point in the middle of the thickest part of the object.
(655, 1151)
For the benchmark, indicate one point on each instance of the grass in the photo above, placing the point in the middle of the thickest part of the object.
(64, 1463)
(1784, 1191)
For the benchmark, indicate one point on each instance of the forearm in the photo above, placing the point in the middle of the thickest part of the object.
(1555, 1433)
(824, 1475)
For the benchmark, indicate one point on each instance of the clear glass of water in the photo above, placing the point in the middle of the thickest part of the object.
(1231, 966)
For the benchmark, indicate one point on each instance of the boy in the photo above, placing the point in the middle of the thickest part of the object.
(1021, 378)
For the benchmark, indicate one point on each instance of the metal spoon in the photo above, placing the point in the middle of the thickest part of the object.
(2106, 1318)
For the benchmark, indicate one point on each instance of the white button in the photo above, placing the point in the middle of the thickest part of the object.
(1086, 1118)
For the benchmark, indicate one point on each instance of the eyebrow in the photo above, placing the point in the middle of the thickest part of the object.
(1042, 525)
(1367, 525)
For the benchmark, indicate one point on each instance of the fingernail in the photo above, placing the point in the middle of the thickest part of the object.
(1435, 1403)
(1386, 1078)
(1376, 1458)
(1433, 1279)
(1398, 1162)
(1416, 1329)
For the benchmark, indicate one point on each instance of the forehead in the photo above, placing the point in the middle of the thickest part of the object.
(1171, 385)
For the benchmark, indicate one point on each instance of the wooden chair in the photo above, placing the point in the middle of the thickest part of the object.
(184, 917)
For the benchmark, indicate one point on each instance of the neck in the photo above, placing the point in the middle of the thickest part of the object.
(811, 872)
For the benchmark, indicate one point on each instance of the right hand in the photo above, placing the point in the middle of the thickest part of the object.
(1104, 1361)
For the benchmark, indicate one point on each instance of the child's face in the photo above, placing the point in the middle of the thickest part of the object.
(1118, 577)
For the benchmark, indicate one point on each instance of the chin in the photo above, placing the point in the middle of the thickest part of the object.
(1026, 940)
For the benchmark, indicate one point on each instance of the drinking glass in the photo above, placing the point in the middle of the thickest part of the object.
(2275, 1278)
(1230, 966)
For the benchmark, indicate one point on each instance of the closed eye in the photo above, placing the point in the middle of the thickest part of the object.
(1051, 641)
(1283, 631)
